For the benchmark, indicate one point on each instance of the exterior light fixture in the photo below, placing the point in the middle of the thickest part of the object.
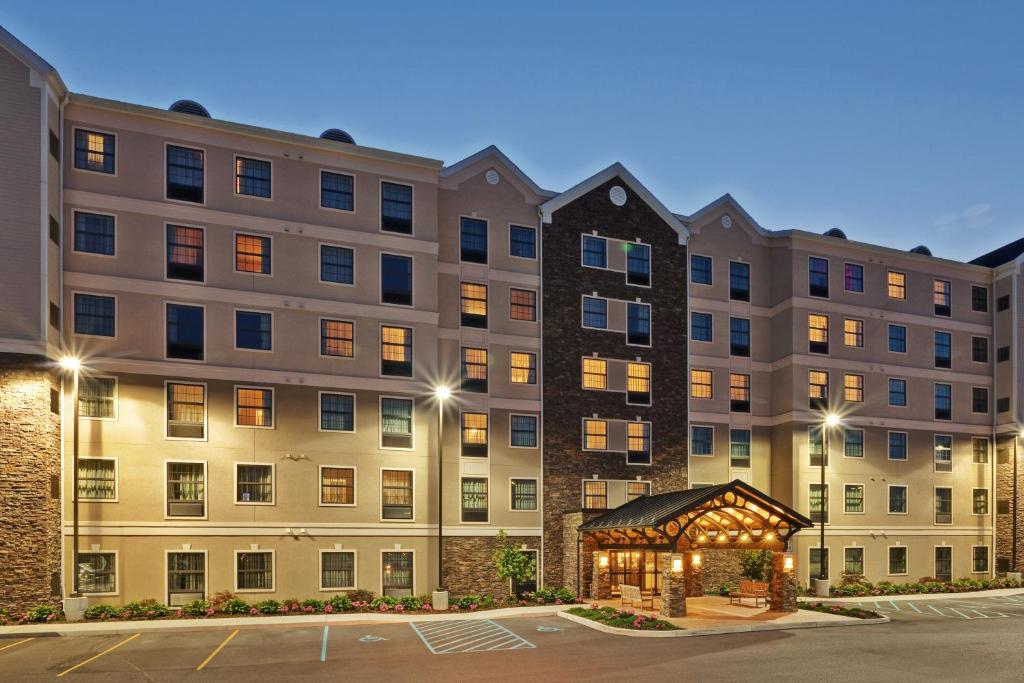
(696, 560)
(602, 561)
(442, 392)
(745, 537)
(787, 563)
(70, 363)
(831, 420)
(702, 538)
(677, 564)
(721, 537)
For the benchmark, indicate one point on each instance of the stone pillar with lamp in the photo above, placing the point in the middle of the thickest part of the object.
(782, 590)
(601, 585)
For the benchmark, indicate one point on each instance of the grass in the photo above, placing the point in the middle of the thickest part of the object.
(855, 612)
(619, 618)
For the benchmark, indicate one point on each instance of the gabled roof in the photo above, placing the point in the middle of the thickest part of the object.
(615, 170)
(31, 59)
(1004, 254)
(715, 205)
(492, 151)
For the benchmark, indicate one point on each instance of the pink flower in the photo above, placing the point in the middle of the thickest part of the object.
(399, 608)
(295, 607)
(473, 606)
(253, 610)
(329, 608)
(51, 617)
(179, 613)
(283, 609)
(427, 607)
(558, 601)
(210, 612)
(593, 605)
(383, 608)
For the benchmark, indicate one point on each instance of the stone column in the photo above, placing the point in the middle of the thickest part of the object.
(782, 588)
(673, 587)
(601, 584)
(694, 574)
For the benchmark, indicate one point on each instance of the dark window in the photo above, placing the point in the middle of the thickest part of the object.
(979, 399)
(853, 558)
(817, 562)
(943, 401)
(252, 254)
(473, 240)
(185, 332)
(897, 392)
(739, 448)
(97, 572)
(185, 174)
(1003, 354)
(186, 577)
(185, 253)
(474, 370)
(979, 559)
(255, 484)
(54, 146)
(336, 265)
(897, 338)
(638, 264)
(337, 412)
(54, 230)
(702, 441)
(853, 443)
(396, 497)
(944, 563)
(94, 315)
(817, 276)
(473, 304)
(979, 501)
(94, 233)
(595, 312)
(474, 500)
(397, 573)
(396, 423)
(942, 295)
(97, 397)
(253, 330)
(54, 316)
(524, 431)
(819, 504)
(979, 349)
(522, 241)
(336, 191)
(700, 269)
(1003, 404)
(94, 151)
(638, 324)
(595, 252)
(700, 327)
(739, 281)
(1003, 302)
(897, 445)
(252, 177)
(524, 494)
(853, 277)
(396, 351)
(898, 500)
(979, 299)
(396, 208)
(739, 337)
(943, 350)
(396, 279)
(898, 560)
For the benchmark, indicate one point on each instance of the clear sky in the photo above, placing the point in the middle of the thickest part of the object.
(900, 122)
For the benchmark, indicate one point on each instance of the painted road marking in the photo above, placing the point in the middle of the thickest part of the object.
(548, 629)
(95, 657)
(13, 644)
(468, 635)
(217, 651)
(371, 639)
(323, 648)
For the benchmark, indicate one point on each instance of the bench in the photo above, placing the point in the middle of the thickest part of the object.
(633, 595)
(758, 590)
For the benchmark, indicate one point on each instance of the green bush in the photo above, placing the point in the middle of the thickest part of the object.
(756, 565)
(468, 601)
(726, 588)
(360, 595)
(144, 609)
(235, 606)
(268, 607)
(410, 602)
(100, 612)
(41, 613)
(340, 603)
(623, 619)
(383, 601)
(197, 608)
(317, 605)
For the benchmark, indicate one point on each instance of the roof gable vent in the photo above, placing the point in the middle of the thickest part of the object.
(921, 249)
(189, 107)
(338, 135)
(835, 232)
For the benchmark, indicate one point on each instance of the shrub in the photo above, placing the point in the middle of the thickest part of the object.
(756, 565)
(340, 603)
(144, 609)
(268, 607)
(41, 613)
(468, 602)
(385, 601)
(726, 588)
(197, 608)
(234, 606)
(623, 619)
(360, 595)
(411, 602)
(101, 612)
(218, 601)
(317, 605)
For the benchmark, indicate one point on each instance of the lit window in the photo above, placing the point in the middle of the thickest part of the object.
(853, 388)
(523, 304)
(942, 295)
(252, 254)
(252, 177)
(474, 434)
(474, 369)
(185, 253)
(254, 407)
(336, 191)
(943, 453)
(853, 333)
(700, 384)
(739, 392)
(638, 383)
(897, 285)
(254, 483)
(94, 151)
(595, 373)
(853, 499)
(523, 367)
(474, 499)
(97, 479)
(595, 494)
(817, 388)
(396, 494)
(186, 411)
(396, 351)
(637, 489)
(396, 208)
(817, 333)
(638, 443)
(595, 435)
(524, 494)
(473, 305)
(336, 338)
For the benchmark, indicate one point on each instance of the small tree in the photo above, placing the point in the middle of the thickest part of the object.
(756, 565)
(510, 562)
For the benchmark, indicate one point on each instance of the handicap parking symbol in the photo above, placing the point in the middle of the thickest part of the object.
(371, 639)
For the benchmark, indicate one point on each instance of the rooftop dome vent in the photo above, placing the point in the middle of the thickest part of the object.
(189, 107)
(338, 135)
(835, 232)
(921, 249)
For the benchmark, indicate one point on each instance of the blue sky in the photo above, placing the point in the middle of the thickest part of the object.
(900, 122)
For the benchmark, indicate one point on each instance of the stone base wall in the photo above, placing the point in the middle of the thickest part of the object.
(29, 484)
(469, 569)
(720, 567)
(575, 568)
(1007, 508)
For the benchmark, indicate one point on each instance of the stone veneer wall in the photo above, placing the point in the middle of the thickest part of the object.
(1005, 453)
(721, 567)
(29, 478)
(469, 569)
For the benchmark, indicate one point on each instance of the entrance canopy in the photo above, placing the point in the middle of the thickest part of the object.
(733, 515)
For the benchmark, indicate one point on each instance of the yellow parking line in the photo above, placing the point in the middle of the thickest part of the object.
(95, 657)
(17, 643)
(217, 651)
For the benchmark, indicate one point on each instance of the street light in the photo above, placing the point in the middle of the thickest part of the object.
(74, 365)
(442, 394)
(831, 420)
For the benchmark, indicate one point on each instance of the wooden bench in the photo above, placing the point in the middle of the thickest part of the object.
(758, 590)
(633, 595)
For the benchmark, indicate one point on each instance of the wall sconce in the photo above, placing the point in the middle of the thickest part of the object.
(602, 561)
(696, 560)
(677, 564)
(787, 563)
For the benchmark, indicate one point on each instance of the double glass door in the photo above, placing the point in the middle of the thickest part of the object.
(635, 568)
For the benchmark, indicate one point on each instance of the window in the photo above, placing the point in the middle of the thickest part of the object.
(523, 304)
(943, 505)
(396, 208)
(943, 350)
(979, 299)
(474, 499)
(853, 388)
(186, 577)
(817, 562)
(817, 389)
(186, 489)
(897, 339)
(97, 572)
(336, 265)
(595, 494)
(739, 448)
(739, 281)
(185, 174)
(336, 338)
(254, 407)
(253, 330)
(701, 384)
(638, 324)
(337, 412)
(638, 383)
(94, 151)
(396, 279)
(252, 177)
(185, 332)
(817, 333)
(337, 486)
(739, 337)
(897, 392)
(396, 573)
(897, 285)
(853, 333)
(816, 450)
(255, 570)
(853, 561)
(979, 559)
(898, 560)
(638, 264)
(853, 443)
(474, 370)
(700, 327)
(523, 367)
(897, 445)
(1003, 302)
(595, 313)
(942, 295)
(396, 494)
(94, 233)
(395, 351)
(943, 401)
(337, 191)
(254, 483)
(97, 479)
(186, 411)
(337, 569)
(473, 240)
(819, 504)
(1003, 404)
(595, 435)
(97, 397)
(853, 277)
(252, 254)
(1003, 354)
(700, 269)
(739, 392)
(637, 489)
(94, 315)
(638, 443)
(395, 422)
(944, 563)
(186, 253)
(979, 501)
(595, 252)
(595, 373)
(817, 276)
(702, 441)
(524, 494)
(897, 499)
(853, 498)
(523, 431)
(979, 451)
(522, 241)
(473, 307)
(979, 399)
(474, 435)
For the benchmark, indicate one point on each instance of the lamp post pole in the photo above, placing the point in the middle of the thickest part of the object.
(440, 492)
(74, 494)
(823, 505)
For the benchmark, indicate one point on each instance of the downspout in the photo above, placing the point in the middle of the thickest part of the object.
(579, 569)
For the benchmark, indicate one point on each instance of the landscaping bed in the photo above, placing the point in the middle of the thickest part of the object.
(855, 612)
(620, 618)
(853, 589)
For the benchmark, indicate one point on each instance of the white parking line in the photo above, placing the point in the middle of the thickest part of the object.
(468, 636)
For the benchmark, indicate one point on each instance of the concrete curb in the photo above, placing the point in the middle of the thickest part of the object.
(745, 628)
(919, 597)
(118, 626)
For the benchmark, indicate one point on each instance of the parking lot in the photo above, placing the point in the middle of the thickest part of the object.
(1000, 607)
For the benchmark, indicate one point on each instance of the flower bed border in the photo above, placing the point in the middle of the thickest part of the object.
(867, 589)
(852, 612)
(639, 623)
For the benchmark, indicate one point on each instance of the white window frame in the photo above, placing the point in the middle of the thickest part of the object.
(689, 263)
(828, 276)
(863, 279)
(480, 411)
(380, 496)
(536, 304)
(593, 235)
(319, 196)
(320, 563)
(320, 408)
(117, 481)
(319, 338)
(888, 560)
(536, 431)
(511, 496)
(117, 568)
(273, 406)
(935, 460)
(935, 511)
(864, 498)
(234, 177)
(536, 368)
(888, 498)
(987, 569)
(863, 557)
(888, 336)
(952, 566)
(206, 566)
(690, 445)
(583, 316)
(117, 155)
(485, 477)
(412, 423)
(273, 484)
(380, 277)
(117, 323)
(117, 387)
(234, 330)
(273, 571)
(206, 162)
(206, 271)
(320, 486)
(988, 501)
(863, 443)
(380, 205)
(650, 323)
(536, 241)
(206, 410)
(380, 567)
(76, 210)
(206, 488)
(319, 261)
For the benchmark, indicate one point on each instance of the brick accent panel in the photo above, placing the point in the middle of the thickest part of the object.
(469, 569)
(1006, 452)
(29, 467)
(566, 342)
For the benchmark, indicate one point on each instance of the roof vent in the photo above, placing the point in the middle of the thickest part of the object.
(835, 232)
(921, 249)
(189, 107)
(338, 135)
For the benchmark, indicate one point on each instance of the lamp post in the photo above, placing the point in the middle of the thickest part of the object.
(73, 365)
(442, 394)
(831, 420)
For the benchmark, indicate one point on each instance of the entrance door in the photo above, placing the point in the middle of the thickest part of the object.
(635, 568)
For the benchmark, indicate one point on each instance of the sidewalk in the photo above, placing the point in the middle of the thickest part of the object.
(919, 597)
